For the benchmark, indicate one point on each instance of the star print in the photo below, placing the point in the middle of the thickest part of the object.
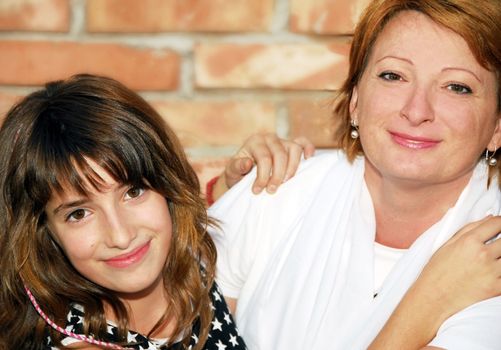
(212, 307)
(131, 337)
(233, 340)
(220, 346)
(227, 318)
(216, 324)
(216, 296)
(195, 338)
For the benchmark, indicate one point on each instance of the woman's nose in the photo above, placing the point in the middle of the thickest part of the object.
(418, 107)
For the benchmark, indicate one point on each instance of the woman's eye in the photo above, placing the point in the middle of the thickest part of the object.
(134, 192)
(390, 76)
(459, 89)
(76, 215)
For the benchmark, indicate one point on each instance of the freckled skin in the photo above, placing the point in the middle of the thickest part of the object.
(410, 95)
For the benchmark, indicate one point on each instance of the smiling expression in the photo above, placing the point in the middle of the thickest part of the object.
(425, 107)
(118, 236)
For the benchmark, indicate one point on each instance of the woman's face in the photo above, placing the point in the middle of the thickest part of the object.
(118, 237)
(426, 108)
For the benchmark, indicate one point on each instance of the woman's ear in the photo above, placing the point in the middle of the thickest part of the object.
(495, 141)
(354, 105)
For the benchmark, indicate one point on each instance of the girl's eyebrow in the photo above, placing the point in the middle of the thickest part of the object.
(68, 205)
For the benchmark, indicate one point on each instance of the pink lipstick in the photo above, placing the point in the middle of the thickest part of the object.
(413, 142)
(128, 259)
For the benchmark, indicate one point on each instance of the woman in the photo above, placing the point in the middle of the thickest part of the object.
(103, 231)
(324, 262)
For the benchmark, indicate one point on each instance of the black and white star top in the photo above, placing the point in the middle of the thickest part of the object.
(223, 334)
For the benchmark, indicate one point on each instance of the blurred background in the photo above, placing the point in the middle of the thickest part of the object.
(216, 70)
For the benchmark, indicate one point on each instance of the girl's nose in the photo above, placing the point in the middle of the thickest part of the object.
(120, 230)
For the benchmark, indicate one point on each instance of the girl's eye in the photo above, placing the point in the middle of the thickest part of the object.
(390, 76)
(76, 215)
(459, 89)
(134, 192)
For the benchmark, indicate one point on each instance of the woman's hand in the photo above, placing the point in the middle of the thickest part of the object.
(464, 271)
(276, 160)
(467, 269)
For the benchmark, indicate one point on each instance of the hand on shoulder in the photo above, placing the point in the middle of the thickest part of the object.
(276, 160)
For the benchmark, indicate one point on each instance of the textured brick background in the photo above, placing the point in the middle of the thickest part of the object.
(217, 70)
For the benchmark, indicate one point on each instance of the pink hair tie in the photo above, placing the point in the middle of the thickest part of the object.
(64, 331)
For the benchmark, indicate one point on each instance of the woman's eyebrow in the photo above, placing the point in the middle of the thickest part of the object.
(395, 58)
(464, 70)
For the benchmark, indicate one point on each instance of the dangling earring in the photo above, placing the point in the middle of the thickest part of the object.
(489, 159)
(354, 130)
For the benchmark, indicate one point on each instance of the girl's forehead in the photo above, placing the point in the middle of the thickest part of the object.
(94, 179)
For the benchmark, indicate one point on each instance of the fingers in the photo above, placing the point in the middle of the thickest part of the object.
(294, 158)
(308, 148)
(271, 160)
(276, 159)
(487, 228)
(236, 169)
(467, 229)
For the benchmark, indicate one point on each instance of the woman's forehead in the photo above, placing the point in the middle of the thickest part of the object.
(412, 35)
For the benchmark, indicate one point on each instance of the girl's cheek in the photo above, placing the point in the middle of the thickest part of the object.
(79, 245)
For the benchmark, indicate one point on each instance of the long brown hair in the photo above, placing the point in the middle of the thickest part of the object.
(44, 142)
(477, 22)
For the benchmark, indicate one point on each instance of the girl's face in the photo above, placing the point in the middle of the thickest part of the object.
(426, 108)
(118, 237)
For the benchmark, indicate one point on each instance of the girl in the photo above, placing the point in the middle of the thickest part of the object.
(104, 234)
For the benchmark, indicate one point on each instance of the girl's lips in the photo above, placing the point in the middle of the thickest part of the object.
(413, 142)
(126, 260)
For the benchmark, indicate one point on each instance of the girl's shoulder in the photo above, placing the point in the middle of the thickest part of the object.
(223, 333)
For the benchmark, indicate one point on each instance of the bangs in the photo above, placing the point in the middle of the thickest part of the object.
(63, 143)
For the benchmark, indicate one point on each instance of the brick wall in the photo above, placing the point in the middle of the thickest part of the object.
(217, 70)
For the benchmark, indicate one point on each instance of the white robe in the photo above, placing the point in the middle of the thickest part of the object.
(301, 261)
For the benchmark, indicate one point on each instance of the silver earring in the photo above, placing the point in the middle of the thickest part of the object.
(489, 159)
(354, 130)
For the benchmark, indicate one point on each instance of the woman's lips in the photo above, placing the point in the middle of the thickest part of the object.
(126, 260)
(413, 142)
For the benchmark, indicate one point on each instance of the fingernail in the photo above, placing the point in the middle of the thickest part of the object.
(271, 188)
(257, 189)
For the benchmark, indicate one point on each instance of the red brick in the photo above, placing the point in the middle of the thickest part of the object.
(178, 15)
(35, 15)
(208, 168)
(33, 63)
(217, 123)
(313, 119)
(283, 66)
(325, 16)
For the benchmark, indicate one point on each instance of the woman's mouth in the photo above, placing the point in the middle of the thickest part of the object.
(413, 142)
(128, 259)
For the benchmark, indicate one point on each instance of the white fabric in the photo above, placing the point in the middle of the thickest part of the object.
(385, 258)
(301, 262)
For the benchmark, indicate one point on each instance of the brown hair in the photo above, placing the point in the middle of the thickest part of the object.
(478, 22)
(45, 139)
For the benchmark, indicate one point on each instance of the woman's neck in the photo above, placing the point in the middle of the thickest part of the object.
(404, 210)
